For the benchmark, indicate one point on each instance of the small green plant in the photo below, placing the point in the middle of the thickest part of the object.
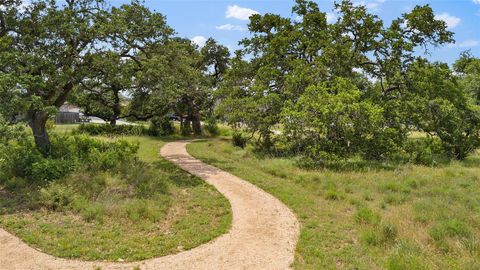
(332, 195)
(370, 237)
(389, 232)
(365, 215)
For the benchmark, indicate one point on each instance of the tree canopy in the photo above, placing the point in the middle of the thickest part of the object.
(356, 86)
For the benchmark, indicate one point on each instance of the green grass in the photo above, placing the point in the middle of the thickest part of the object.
(408, 217)
(147, 210)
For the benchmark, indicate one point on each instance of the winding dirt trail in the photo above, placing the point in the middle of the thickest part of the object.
(263, 235)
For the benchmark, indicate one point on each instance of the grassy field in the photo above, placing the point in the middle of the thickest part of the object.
(115, 216)
(410, 217)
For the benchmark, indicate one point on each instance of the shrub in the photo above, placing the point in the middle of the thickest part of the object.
(211, 126)
(239, 140)
(161, 126)
(51, 169)
(425, 151)
(56, 196)
(21, 159)
(106, 129)
(14, 183)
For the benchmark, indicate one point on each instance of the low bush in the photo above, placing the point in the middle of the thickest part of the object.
(239, 140)
(109, 130)
(56, 196)
(20, 158)
(161, 126)
(425, 151)
(50, 169)
(211, 126)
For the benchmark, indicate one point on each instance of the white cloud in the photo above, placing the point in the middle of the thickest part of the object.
(331, 17)
(230, 27)
(476, 2)
(372, 4)
(240, 13)
(199, 40)
(465, 44)
(450, 20)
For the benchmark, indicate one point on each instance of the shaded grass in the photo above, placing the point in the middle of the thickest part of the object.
(142, 211)
(406, 217)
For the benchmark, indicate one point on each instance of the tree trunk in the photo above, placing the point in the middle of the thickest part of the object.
(185, 126)
(38, 123)
(197, 127)
(113, 121)
(116, 106)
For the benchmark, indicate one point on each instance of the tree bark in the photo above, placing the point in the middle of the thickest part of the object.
(196, 125)
(113, 121)
(116, 106)
(38, 123)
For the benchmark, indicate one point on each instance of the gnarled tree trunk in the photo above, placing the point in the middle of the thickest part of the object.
(38, 121)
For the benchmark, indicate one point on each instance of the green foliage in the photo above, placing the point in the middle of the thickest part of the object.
(440, 106)
(21, 159)
(239, 139)
(333, 119)
(335, 98)
(425, 151)
(211, 126)
(51, 169)
(46, 70)
(468, 67)
(160, 126)
(109, 130)
(56, 196)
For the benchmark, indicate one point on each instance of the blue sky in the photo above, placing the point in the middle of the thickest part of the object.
(226, 20)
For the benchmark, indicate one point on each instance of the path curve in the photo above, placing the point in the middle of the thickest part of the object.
(263, 235)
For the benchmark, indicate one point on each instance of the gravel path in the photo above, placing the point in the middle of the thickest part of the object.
(263, 235)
